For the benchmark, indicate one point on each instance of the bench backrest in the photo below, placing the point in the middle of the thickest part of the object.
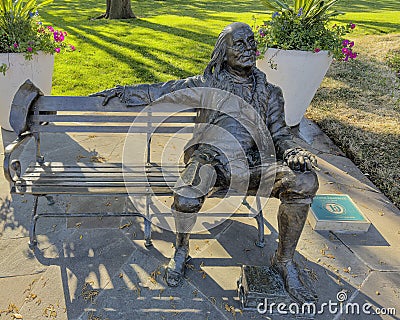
(87, 114)
(34, 113)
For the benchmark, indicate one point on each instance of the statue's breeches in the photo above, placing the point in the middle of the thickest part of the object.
(291, 187)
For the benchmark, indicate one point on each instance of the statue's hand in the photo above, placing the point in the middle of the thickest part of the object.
(300, 160)
(109, 94)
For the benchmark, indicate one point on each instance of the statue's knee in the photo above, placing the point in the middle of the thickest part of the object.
(307, 183)
(187, 204)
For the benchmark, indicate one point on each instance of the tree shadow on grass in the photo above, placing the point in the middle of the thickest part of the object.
(199, 9)
(368, 5)
(147, 72)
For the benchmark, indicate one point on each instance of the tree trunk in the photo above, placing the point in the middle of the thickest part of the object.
(118, 9)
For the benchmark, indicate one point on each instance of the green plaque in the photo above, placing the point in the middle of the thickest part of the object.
(336, 212)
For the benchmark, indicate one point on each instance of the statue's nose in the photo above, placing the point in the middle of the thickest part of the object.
(249, 45)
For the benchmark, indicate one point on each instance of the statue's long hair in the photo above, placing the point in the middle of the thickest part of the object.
(218, 56)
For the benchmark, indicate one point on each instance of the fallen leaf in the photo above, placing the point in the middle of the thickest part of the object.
(126, 225)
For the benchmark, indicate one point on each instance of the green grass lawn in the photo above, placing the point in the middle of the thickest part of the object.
(170, 39)
(357, 105)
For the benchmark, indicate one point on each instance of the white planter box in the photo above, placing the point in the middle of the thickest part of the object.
(39, 70)
(299, 75)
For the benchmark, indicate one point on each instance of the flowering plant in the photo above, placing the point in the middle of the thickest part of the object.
(21, 31)
(304, 26)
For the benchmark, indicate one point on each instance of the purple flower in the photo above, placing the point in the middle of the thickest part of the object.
(57, 50)
(345, 43)
(317, 50)
(300, 12)
(351, 44)
(50, 28)
(345, 51)
(29, 49)
(16, 45)
(346, 58)
(275, 14)
(257, 53)
(262, 34)
(58, 36)
(73, 48)
(352, 25)
(353, 55)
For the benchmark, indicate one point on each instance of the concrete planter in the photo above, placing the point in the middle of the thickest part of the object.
(299, 75)
(39, 70)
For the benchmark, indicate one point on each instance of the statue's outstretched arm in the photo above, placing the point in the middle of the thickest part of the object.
(144, 94)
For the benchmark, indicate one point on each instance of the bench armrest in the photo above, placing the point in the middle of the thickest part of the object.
(12, 169)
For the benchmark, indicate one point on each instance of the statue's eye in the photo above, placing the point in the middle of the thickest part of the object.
(239, 45)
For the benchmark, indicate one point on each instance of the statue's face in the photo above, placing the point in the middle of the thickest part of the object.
(241, 49)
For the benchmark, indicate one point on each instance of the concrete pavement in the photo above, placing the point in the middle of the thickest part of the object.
(99, 268)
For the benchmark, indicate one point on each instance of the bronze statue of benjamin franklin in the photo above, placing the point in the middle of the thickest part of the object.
(233, 68)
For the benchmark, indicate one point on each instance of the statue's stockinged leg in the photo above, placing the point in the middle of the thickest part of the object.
(184, 223)
(190, 191)
(291, 220)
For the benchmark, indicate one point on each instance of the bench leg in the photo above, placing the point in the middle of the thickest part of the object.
(260, 224)
(147, 233)
(32, 229)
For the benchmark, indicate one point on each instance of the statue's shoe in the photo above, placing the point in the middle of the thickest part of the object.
(175, 270)
(295, 283)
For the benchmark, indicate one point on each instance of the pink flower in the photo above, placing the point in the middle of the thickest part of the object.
(50, 28)
(16, 45)
(257, 53)
(73, 48)
(345, 51)
(29, 49)
(317, 50)
(352, 26)
(57, 50)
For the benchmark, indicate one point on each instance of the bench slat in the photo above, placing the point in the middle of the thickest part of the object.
(95, 175)
(110, 129)
(67, 103)
(91, 190)
(99, 168)
(78, 179)
(91, 183)
(111, 118)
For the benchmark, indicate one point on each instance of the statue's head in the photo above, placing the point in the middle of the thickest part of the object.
(234, 50)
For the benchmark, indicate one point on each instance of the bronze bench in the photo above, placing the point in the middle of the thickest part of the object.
(33, 114)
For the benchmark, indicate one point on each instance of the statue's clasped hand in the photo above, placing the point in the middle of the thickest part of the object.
(300, 160)
(118, 91)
